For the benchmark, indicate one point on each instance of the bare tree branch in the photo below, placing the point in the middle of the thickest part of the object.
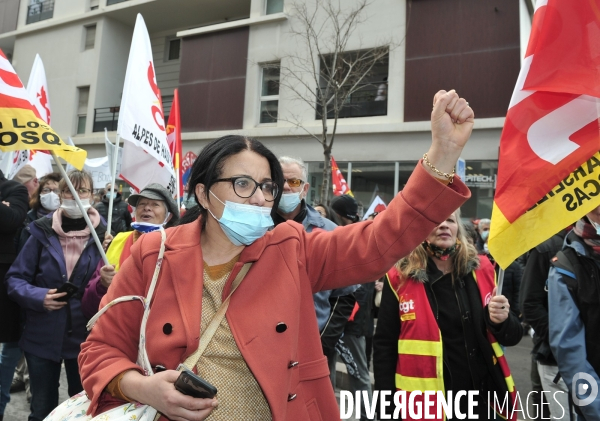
(325, 75)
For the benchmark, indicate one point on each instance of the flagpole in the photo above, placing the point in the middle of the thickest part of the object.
(177, 178)
(112, 183)
(500, 281)
(83, 211)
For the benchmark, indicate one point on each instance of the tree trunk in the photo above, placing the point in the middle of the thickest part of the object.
(325, 189)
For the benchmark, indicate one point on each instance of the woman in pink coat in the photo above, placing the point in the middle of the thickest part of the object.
(265, 358)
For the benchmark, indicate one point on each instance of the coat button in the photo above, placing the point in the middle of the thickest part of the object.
(291, 397)
(167, 328)
(281, 327)
(292, 364)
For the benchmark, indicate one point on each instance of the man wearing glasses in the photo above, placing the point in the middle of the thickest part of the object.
(333, 307)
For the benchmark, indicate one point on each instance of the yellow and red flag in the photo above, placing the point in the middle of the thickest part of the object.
(174, 142)
(549, 164)
(21, 127)
(338, 182)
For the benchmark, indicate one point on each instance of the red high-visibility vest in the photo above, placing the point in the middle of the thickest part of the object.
(420, 350)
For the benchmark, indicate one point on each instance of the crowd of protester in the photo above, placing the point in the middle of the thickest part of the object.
(439, 289)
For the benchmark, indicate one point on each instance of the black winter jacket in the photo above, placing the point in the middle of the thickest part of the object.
(512, 286)
(360, 325)
(11, 220)
(534, 295)
(121, 218)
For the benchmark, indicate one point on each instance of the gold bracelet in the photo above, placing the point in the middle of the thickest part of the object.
(449, 177)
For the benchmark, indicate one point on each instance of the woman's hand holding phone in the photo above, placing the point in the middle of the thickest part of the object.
(159, 392)
(50, 302)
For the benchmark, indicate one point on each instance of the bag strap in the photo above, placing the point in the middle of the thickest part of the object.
(143, 359)
(144, 300)
(212, 327)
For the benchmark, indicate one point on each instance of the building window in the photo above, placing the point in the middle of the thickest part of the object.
(94, 4)
(106, 118)
(371, 97)
(89, 37)
(269, 95)
(274, 6)
(174, 46)
(83, 94)
(109, 2)
(39, 10)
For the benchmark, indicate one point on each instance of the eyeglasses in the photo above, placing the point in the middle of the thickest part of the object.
(293, 182)
(245, 187)
(81, 191)
(46, 190)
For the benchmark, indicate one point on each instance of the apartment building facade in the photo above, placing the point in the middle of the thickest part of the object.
(222, 55)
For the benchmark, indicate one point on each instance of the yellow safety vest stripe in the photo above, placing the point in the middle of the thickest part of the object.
(418, 347)
(392, 287)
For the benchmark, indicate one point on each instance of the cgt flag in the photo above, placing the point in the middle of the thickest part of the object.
(549, 163)
(186, 166)
(174, 142)
(37, 87)
(338, 182)
(39, 160)
(146, 154)
(377, 205)
(21, 127)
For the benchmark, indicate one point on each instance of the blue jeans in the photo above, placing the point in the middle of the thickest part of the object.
(11, 353)
(44, 377)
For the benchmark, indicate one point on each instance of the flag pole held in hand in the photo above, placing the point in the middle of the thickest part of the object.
(500, 281)
(83, 211)
(113, 172)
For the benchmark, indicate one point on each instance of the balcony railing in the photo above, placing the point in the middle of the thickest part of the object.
(40, 11)
(106, 117)
(366, 102)
(109, 116)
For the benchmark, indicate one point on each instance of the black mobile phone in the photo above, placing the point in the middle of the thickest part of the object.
(191, 384)
(69, 288)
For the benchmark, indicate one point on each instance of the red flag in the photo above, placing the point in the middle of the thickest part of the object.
(174, 141)
(338, 182)
(551, 130)
(566, 50)
(549, 159)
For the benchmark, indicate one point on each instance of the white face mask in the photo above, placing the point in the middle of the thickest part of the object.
(243, 224)
(50, 201)
(290, 201)
(71, 209)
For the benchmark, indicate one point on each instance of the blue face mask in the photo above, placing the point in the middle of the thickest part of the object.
(108, 195)
(146, 227)
(243, 224)
(289, 202)
(485, 235)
